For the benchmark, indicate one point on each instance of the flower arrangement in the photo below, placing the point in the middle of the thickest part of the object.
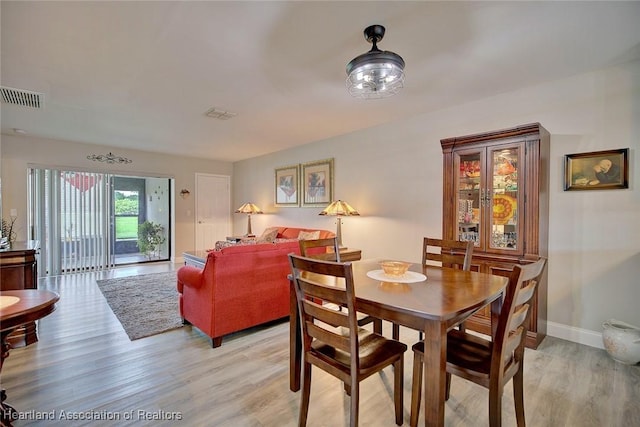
(7, 230)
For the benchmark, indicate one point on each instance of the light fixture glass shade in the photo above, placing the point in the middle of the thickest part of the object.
(375, 77)
(377, 73)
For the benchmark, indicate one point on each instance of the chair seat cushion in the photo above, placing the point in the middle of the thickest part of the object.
(469, 351)
(374, 350)
(465, 350)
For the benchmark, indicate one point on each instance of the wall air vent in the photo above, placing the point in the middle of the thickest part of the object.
(21, 97)
(220, 114)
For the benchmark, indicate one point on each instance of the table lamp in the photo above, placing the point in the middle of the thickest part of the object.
(339, 208)
(249, 208)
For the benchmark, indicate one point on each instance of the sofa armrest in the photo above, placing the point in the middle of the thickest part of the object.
(189, 276)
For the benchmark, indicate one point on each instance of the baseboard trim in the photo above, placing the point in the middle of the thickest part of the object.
(577, 335)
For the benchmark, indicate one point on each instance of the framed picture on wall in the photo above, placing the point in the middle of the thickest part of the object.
(597, 170)
(317, 183)
(287, 194)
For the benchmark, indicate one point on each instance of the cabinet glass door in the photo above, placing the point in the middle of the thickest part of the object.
(470, 191)
(503, 198)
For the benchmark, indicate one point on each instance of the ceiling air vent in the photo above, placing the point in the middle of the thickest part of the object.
(23, 98)
(220, 114)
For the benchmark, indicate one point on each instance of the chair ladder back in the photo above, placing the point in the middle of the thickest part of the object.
(518, 317)
(526, 292)
(512, 322)
(328, 346)
(312, 297)
(328, 250)
(327, 336)
(452, 253)
(309, 249)
(326, 314)
(513, 341)
(318, 291)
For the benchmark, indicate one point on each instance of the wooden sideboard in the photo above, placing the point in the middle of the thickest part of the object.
(18, 270)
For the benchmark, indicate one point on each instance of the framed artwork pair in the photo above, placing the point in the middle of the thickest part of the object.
(306, 184)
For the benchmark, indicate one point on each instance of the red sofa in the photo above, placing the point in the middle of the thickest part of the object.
(240, 286)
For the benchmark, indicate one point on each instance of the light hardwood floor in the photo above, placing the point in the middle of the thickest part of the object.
(84, 364)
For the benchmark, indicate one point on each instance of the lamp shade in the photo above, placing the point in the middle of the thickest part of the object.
(339, 208)
(377, 73)
(249, 208)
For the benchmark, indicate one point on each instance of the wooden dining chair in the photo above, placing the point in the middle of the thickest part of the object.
(328, 250)
(447, 253)
(444, 253)
(490, 363)
(332, 339)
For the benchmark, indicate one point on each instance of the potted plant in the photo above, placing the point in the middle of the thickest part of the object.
(150, 237)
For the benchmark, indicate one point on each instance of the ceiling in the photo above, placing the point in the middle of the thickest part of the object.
(142, 74)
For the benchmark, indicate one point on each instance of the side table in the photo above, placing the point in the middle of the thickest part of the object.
(195, 258)
(347, 254)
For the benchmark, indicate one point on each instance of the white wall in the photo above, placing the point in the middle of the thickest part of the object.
(20, 151)
(393, 175)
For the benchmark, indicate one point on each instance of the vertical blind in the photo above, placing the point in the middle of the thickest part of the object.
(70, 213)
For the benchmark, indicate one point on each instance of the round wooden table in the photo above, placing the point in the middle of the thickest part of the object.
(16, 309)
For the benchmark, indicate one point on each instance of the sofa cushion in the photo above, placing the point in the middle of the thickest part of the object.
(294, 232)
(309, 235)
(221, 244)
(289, 233)
(269, 235)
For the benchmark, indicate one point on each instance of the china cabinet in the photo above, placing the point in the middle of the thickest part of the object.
(496, 194)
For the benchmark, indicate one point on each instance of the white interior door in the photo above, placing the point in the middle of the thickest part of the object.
(213, 209)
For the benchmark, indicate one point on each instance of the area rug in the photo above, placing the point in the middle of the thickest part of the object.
(145, 305)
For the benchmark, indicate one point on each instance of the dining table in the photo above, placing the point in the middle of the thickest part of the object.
(17, 308)
(428, 298)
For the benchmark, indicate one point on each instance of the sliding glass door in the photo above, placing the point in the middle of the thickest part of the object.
(92, 221)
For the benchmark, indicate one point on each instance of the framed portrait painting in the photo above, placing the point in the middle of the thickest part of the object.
(597, 170)
(317, 183)
(286, 190)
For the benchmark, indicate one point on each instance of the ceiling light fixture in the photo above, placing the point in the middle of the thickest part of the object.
(377, 73)
(109, 158)
(219, 114)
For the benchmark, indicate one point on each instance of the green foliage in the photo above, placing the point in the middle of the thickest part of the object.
(150, 237)
(126, 206)
(126, 227)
